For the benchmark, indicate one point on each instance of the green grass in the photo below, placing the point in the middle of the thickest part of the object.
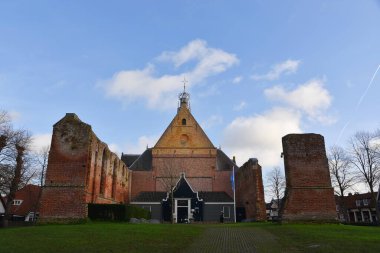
(314, 238)
(124, 237)
(98, 237)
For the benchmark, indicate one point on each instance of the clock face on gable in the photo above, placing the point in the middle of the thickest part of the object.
(184, 139)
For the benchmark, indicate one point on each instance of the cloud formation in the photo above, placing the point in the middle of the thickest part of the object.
(212, 121)
(260, 135)
(39, 141)
(284, 68)
(135, 148)
(160, 91)
(312, 98)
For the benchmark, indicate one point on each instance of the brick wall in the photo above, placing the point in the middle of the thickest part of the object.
(309, 195)
(81, 170)
(250, 190)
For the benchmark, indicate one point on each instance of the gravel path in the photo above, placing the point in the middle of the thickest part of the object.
(225, 239)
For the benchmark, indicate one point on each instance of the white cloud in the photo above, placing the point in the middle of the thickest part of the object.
(14, 115)
(160, 91)
(40, 141)
(260, 136)
(142, 143)
(212, 121)
(240, 106)
(287, 67)
(237, 79)
(311, 98)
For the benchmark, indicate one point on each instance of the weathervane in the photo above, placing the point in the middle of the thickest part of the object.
(184, 96)
(184, 84)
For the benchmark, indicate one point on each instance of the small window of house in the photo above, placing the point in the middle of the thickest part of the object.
(358, 202)
(183, 122)
(226, 211)
(365, 202)
(16, 202)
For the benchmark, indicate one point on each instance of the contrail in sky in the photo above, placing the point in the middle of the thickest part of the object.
(358, 105)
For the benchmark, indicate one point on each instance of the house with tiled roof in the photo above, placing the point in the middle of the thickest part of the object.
(357, 208)
(25, 204)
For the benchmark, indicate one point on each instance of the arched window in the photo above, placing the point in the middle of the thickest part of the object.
(183, 122)
(114, 179)
(103, 173)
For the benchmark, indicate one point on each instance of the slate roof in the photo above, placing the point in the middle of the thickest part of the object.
(223, 162)
(141, 162)
(206, 196)
(150, 197)
(215, 197)
(128, 159)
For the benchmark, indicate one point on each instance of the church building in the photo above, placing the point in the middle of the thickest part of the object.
(184, 177)
(184, 160)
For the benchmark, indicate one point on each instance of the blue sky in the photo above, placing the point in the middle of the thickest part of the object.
(257, 70)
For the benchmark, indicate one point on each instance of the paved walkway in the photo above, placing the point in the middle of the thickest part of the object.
(225, 239)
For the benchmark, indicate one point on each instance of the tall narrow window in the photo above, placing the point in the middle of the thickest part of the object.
(183, 122)
(114, 179)
(103, 173)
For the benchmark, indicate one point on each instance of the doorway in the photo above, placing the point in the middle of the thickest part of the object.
(182, 210)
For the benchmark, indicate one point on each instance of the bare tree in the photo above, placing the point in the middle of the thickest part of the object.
(42, 157)
(341, 173)
(15, 161)
(365, 157)
(276, 185)
(19, 143)
(169, 177)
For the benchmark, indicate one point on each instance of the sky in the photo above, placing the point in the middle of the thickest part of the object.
(256, 70)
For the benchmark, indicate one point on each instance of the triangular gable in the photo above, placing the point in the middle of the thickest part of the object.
(183, 189)
(184, 132)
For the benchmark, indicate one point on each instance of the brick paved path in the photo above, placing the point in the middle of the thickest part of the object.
(225, 239)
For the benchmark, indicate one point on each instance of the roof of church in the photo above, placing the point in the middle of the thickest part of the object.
(150, 197)
(143, 162)
(139, 162)
(215, 197)
(206, 196)
(223, 162)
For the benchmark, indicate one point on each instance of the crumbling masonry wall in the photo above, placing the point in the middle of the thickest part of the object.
(309, 194)
(81, 170)
(250, 190)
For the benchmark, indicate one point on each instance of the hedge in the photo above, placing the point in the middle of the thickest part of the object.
(116, 212)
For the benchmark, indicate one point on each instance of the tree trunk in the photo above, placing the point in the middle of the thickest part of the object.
(15, 183)
(377, 206)
(3, 142)
(172, 197)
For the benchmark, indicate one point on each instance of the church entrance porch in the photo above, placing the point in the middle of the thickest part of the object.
(182, 209)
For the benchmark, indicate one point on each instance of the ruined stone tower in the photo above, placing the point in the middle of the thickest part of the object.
(309, 194)
(81, 170)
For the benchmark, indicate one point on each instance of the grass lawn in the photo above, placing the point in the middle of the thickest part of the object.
(98, 237)
(124, 237)
(315, 238)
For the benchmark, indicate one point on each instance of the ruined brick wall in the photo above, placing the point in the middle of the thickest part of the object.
(309, 195)
(250, 190)
(81, 170)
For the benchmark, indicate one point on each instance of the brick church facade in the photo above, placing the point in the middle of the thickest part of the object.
(83, 170)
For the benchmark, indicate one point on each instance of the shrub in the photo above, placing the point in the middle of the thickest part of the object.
(116, 212)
